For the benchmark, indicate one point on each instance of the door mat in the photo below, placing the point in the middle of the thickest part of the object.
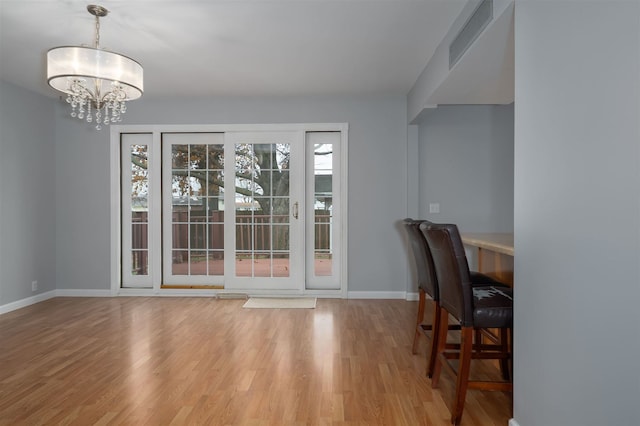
(280, 303)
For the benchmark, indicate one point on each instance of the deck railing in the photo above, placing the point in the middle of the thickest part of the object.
(196, 230)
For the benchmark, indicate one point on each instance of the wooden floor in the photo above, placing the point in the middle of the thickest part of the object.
(157, 361)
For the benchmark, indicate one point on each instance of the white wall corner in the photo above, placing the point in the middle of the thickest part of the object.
(413, 171)
(412, 193)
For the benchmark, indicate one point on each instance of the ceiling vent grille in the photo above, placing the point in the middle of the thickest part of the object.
(470, 31)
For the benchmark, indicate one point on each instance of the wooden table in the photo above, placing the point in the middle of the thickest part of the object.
(495, 254)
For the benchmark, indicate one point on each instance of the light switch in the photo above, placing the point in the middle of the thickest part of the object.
(434, 207)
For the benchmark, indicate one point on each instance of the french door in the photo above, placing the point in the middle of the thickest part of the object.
(230, 208)
(266, 223)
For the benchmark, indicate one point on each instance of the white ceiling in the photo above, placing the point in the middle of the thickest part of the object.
(237, 47)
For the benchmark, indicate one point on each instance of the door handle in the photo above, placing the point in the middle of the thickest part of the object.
(295, 210)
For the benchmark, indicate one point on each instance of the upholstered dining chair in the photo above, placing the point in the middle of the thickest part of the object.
(473, 307)
(428, 286)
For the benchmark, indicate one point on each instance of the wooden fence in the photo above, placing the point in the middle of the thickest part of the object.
(201, 232)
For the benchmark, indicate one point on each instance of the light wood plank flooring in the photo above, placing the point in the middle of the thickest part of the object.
(175, 361)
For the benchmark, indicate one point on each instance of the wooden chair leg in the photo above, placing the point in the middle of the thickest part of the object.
(442, 331)
(432, 353)
(416, 336)
(478, 340)
(504, 347)
(462, 379)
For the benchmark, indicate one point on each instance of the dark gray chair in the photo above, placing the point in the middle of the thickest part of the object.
(428, 285)
(473, 307)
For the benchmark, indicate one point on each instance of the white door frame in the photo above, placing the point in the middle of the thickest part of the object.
(156, 130)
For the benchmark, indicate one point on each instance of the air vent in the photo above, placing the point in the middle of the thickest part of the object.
(470, 31)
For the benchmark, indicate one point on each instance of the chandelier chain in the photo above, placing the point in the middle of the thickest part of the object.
(97, 32)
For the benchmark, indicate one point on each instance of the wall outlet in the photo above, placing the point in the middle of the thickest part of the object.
(434, 207)
(34, 285)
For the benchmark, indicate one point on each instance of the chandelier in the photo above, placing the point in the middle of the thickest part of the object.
(98, 83)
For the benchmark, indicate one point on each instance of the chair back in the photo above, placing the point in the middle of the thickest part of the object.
(422, 257)
(452, 270)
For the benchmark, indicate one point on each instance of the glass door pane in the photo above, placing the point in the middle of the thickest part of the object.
(262, 203)
(139, 210)
(266, 213)
(323, 242)
(322, 206)
(193, 208)
(137, 192)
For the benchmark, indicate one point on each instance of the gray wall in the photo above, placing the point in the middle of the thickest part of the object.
(82, 204)
(577, 213)
(466, 165)
(27, 196)
(55, 215)
(377, 179)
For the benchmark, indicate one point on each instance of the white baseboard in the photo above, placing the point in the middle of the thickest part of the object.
(28, 301)
(512, 422)
(72, 292)
(331, 294)
(377, 295)
(166, 292)
(23, 303)
(412, 297)
(69, 292)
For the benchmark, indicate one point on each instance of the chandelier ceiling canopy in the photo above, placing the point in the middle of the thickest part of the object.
(98, 83)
